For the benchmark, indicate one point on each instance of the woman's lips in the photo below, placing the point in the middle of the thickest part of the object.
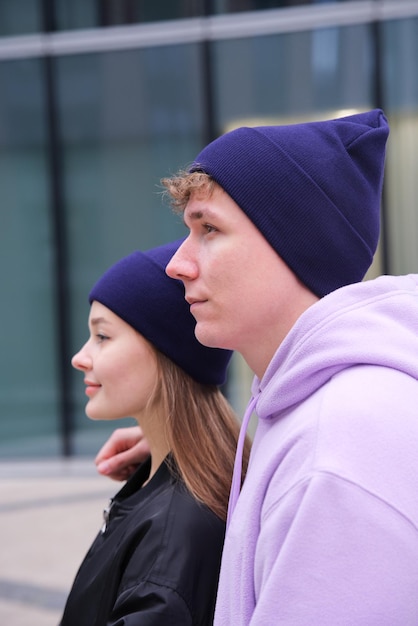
(91, 388)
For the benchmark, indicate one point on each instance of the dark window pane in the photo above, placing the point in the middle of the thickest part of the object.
(72, 14)
(234, 6)
(19, 17)
(28, 382)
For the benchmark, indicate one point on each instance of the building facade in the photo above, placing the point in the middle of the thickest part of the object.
(99, 99)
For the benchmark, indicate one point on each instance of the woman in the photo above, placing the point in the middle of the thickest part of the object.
(156, 559)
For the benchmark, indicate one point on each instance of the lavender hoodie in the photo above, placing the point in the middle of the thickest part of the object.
(325, 530)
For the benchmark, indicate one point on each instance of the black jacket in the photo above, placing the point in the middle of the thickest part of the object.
(156, 563)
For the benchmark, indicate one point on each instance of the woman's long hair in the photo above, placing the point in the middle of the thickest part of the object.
(202, 431)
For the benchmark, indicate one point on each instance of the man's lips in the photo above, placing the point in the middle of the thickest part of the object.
(193, 301)
(195, 304)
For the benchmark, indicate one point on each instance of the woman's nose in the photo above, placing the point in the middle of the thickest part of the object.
(81, 360)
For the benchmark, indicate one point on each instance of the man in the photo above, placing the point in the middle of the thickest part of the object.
(284, 222)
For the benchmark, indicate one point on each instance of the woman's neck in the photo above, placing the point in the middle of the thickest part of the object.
(153, 427)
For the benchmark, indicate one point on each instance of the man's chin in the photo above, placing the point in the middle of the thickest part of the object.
(207, 337)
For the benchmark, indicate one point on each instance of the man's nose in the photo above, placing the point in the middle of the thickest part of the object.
(182, 265)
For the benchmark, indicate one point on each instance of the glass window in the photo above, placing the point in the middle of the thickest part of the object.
(400, 44)
(71, 14)
(131, 11)
(233, 6)
(292, 75)
(19, 18)
(75, 14)
(28, 385)
(127, 119)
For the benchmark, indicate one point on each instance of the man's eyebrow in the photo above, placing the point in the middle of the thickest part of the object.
(198, 214)
(194, 215)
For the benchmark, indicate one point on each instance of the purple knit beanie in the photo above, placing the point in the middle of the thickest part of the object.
(138, 290)
(312, 189)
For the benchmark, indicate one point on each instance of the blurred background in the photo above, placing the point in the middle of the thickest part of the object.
(99, 99)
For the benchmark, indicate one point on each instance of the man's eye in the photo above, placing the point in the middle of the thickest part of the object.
(209, 228)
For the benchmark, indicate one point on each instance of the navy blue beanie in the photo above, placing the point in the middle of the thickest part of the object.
(312, 189)
(138, 290)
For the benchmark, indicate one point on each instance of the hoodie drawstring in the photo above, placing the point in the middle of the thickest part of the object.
(236, 478)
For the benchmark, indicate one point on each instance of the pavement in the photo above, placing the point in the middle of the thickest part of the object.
(50, 512)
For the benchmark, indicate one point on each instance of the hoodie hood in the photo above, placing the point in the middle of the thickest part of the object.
(372, 323)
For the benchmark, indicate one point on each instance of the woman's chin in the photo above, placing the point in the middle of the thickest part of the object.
(93, 414)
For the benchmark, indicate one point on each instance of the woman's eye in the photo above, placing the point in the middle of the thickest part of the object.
(100, 337)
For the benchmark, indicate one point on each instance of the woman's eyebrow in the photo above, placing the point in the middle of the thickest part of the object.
(99, 320)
